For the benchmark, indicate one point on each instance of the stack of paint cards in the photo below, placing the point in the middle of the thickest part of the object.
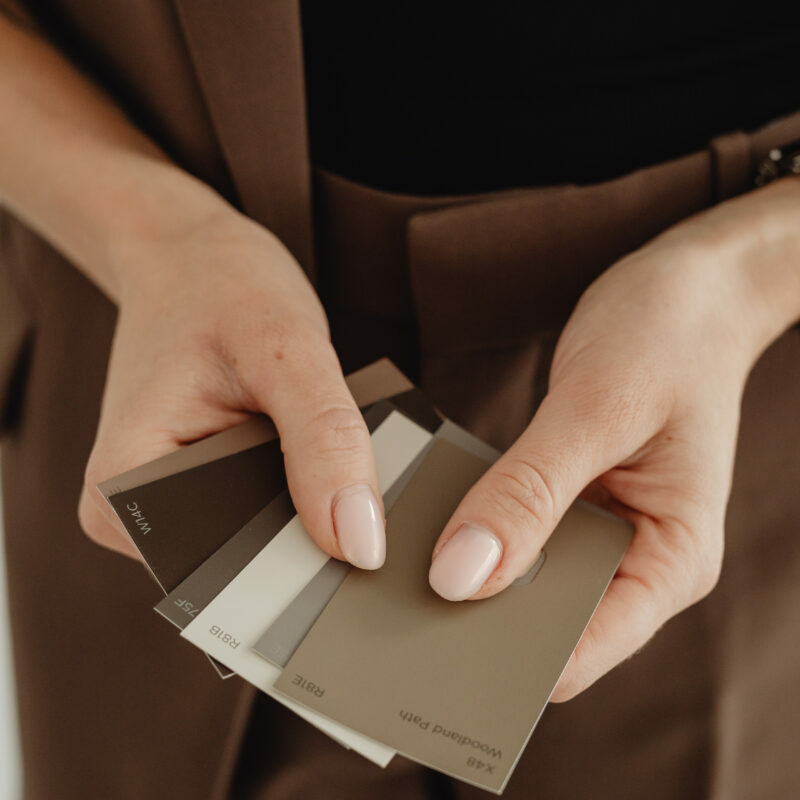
(375, 660)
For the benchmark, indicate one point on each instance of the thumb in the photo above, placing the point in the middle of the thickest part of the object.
(499, 528)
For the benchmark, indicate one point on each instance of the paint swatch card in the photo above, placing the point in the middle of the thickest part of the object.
(196, 591)
(278, 643)
(182, 507)
(376, 660)
(229, 625)
(456, 686)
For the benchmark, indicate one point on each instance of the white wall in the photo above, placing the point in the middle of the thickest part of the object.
(10, 779)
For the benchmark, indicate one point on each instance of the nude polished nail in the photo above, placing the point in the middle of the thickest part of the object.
(359, 527)
(465, 562)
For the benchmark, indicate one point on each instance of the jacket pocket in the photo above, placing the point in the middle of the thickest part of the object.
(495, 281)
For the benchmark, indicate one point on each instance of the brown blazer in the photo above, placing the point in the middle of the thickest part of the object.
(112, 704)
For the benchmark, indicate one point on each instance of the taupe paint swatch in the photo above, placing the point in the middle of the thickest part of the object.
(284, 636)
(456, 686)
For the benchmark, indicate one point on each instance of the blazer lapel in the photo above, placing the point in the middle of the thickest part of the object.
(248, 57)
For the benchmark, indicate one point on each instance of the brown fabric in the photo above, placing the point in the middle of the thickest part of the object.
(709, 708)
(467, 293)
(250, 65)
(106, 697)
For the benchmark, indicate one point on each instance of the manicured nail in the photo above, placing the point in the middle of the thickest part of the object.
(359, 527)
(465, 562)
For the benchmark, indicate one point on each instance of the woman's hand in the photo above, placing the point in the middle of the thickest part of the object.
(643, 409)
(216, 319)
(216, 323)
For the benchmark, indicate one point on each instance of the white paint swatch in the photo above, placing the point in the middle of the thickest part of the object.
(232, 623)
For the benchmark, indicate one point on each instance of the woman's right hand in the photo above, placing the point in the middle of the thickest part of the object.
(215, 324)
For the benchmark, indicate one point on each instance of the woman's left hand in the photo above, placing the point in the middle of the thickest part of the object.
(641, 417)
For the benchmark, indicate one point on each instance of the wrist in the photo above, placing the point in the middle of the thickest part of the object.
(172, 207)
(751, 245)
(766, 237)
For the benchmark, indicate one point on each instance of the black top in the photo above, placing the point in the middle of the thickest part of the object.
(434, 97)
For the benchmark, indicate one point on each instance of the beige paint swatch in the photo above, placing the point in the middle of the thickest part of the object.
(456, 686)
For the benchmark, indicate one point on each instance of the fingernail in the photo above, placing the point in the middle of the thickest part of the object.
(465, 562)
(358, 522)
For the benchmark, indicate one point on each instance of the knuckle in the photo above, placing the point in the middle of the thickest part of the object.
(522, 492)
(338, 429)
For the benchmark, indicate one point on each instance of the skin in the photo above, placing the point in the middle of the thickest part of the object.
(217, 321)
(643, 411)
